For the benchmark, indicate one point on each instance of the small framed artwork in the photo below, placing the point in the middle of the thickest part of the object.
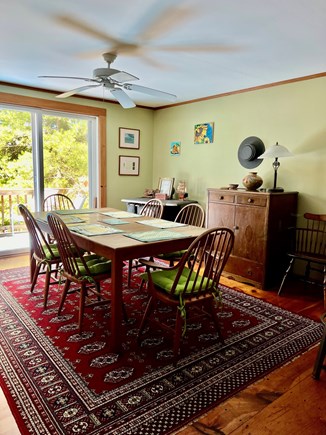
(175, 148)
(129, 165)
(129, 138)
(204, 133)
(165, 185)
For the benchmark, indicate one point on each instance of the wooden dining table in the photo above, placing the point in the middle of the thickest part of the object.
(121, 246)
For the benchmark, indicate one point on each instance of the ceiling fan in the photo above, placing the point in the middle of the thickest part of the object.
(115, 81)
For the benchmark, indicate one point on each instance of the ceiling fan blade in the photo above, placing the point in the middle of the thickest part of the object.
(124, 99)
(150, 91)
(123, 76)
(198, 48)
(85, 28)
(162, 22)
(87, 79)
(74, 91)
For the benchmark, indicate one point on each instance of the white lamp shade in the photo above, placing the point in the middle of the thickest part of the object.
(275, 151)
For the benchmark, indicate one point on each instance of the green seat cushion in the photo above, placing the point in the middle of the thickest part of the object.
(96, 265)
(164, 279)
(175, 254)
(54, 249)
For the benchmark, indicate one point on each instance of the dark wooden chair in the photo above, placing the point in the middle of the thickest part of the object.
(191, 214)
(309, 245)
(153, 208)
(58, 201)
(88, 271)
(319, 363)
(45, 256)
(189, 284)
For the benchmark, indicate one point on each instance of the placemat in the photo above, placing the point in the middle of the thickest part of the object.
(113, 221)
(94, 230)
(75, 211)
(161, 223)
(120, 214)
(68, 219)
(155, 236)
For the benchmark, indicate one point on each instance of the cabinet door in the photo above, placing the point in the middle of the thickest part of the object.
(220, 215)
(250, 233)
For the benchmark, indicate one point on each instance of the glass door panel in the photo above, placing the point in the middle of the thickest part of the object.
(43, 153)
(65, 157)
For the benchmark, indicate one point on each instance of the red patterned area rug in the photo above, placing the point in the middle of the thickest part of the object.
(59, 382)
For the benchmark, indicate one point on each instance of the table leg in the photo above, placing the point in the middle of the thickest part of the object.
(116, 304)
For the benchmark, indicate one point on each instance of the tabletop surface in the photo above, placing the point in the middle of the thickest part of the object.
(111, 229)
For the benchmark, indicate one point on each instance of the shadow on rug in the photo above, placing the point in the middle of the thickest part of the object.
(60, 382)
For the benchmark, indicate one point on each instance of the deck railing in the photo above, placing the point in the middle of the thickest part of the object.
(11, 220)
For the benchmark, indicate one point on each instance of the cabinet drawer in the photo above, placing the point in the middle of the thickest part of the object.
(250, 270)
(247, 199)
(221, 196)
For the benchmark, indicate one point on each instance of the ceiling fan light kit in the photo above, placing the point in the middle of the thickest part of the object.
(115, 81)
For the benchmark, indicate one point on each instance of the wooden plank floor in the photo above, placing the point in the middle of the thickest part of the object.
(287, 401)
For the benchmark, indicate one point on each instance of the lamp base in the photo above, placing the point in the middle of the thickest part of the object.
(275, 189)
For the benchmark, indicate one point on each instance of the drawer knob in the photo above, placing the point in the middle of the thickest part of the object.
(221, 197)
(235, 227)
(250, 200)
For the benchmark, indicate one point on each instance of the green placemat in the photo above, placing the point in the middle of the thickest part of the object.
(161, 223)
(113, 221)
(155, 236)
(68, 219)
(120, 214)
(94, 230)
(75, 211)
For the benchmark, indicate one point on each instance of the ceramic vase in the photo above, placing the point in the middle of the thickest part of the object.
(252, 181)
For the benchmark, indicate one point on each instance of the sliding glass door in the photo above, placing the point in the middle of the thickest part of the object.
(44, 152)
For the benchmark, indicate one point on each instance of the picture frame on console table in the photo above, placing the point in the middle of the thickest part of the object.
(165, 185)
(129, 138)
(129, 165)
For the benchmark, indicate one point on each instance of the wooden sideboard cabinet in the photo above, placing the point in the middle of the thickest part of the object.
(260, 221)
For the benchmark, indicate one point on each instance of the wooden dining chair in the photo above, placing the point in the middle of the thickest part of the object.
(58, 201)
(308, 244)
(188, 284)
(153, 208)
(87, 271)
(44, 254)
(191, 214)
(320, 357)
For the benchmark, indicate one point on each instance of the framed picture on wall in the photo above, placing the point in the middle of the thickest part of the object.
(129, 165)
(129, 138)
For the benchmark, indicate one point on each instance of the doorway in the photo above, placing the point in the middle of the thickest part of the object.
(43, 152)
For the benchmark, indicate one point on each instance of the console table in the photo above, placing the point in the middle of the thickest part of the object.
(171, 206)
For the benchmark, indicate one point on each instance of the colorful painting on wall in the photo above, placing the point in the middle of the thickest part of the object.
(175, 148)
(204, 133)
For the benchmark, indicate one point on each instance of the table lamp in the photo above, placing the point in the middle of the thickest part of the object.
(276, 151)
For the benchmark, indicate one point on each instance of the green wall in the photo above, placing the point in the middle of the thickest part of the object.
(291, 114)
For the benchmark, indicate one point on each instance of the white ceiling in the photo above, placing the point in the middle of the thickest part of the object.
(228, 45)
